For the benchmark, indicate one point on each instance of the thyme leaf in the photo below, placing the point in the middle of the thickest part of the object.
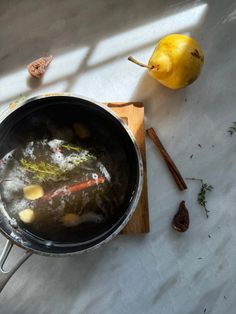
(41, 170)
(205, 188)
(70, 147)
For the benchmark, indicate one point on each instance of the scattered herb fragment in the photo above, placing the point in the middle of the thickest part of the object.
(205, 188)
(181, 219)
(209, 236)
(225, 297)
(199, 258)
(199, 145)
(204, 310)
(232, 129)
(16, 102)
(191, 156)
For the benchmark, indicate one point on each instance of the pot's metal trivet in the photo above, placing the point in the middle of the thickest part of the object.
(133, 114)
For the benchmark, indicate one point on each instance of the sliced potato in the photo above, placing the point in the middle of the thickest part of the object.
(81, 130)
(33, 192)
(71, 220)
(27, 215)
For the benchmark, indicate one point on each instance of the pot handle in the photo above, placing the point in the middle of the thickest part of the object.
(6, 275)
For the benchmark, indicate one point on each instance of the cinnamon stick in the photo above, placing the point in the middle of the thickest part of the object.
(171, 165)
(75, 187)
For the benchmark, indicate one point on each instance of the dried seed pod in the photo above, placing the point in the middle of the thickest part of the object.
(181, 219)
(38, 67)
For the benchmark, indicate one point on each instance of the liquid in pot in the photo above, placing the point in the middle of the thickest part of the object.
(67, 187)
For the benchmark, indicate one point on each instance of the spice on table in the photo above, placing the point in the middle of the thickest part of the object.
(202, 194)
(232, 129)
(180, 221)
(38, 67)
(170, 164)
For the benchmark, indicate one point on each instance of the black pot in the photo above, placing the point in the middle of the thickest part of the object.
(17, 124)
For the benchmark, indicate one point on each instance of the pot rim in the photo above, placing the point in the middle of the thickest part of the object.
(136, 197)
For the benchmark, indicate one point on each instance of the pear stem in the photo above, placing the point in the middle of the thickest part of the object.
(130, 58)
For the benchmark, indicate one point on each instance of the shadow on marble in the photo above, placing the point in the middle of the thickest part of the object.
(212, 295)
(34, 83)
(39, 29)
(73, 20)
(165, 287)
(75, 278)
(167, 102)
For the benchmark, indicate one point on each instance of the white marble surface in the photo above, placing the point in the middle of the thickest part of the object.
(160, 272)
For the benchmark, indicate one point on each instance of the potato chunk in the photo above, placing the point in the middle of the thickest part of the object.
(81, 130)
(33, 192)
(27, 215)
(71, 220)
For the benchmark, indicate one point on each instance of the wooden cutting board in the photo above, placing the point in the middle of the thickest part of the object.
(133, 114)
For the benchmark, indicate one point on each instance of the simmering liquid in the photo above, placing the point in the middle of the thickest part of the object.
(68, 186)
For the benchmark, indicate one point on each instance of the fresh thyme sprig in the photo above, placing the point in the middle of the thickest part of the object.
(232, 129)
(70, 147)
(41, 170)
(205, 188)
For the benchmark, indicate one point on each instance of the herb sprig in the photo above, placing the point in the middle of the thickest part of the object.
(205, 188)
(41, 170)
(70, 147)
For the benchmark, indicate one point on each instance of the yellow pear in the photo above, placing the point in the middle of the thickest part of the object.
(176, 61)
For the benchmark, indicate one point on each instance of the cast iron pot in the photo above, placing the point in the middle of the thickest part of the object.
(13, 124)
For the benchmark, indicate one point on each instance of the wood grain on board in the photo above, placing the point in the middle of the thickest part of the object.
(133, 114)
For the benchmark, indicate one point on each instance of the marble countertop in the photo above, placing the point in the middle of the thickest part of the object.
(162, 272)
